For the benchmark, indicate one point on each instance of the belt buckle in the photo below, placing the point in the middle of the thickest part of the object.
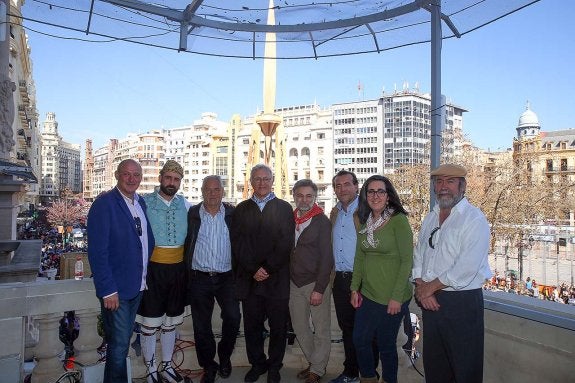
(212, 273)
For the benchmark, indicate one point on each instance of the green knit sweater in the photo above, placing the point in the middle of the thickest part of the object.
(382, 273)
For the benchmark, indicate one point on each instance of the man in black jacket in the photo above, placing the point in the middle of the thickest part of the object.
(208, 257)
(262, 239)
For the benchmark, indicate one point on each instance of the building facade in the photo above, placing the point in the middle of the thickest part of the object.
(61, 164)
(378, 136)
(548, 158)
(366, 137)
(26, 135)
(306, 135)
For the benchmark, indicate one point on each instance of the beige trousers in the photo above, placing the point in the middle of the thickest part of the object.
(314, 342)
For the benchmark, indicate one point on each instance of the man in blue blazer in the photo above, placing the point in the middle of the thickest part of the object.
(120, 244)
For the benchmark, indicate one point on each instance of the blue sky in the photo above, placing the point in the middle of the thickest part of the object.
(106, 90)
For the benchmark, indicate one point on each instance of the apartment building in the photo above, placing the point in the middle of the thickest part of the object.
(61, 164)
(381, 135)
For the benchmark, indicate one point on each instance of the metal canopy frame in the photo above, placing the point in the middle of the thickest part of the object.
(190, 21)
(301, 28)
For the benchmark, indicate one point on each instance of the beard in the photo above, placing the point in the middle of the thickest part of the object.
(168, 190)
(448, 200)
(304, 207)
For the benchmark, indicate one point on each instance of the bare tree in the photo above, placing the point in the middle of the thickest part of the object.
(412, 184)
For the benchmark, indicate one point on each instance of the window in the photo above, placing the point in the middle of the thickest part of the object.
(549, 165)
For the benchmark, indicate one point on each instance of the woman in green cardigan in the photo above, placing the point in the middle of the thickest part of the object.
(380, 287)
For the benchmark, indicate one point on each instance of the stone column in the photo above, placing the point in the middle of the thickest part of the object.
(49, 366)
(86, 345)
(9, 190)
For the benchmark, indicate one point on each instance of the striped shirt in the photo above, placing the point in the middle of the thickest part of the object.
(213, 252)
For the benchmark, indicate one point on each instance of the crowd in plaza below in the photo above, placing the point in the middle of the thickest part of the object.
(53, 246)
(508, 282)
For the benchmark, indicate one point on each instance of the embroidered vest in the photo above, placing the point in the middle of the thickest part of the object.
(169, 223)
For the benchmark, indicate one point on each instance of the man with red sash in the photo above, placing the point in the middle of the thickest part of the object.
(311, 268)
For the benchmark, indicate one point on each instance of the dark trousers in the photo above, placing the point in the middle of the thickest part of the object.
(372, 320)
(256, 309)
(118, 326)
(345, 319)
(204, 290)
(453, 338)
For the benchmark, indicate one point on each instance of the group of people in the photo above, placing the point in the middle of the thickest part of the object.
(562, 293)
(155, 259)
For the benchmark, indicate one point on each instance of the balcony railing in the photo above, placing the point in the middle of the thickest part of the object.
(559, 169)
(526, 339)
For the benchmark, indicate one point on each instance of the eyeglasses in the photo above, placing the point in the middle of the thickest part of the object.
(138, 225)
(373, 192)
(261, 180)
(430, 240)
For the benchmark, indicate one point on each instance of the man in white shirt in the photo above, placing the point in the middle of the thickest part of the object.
(449, 268)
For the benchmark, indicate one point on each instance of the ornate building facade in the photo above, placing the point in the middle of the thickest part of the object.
(548, 158)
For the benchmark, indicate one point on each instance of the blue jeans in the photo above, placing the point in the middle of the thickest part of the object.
(203, 290)
(372, 319)
(118, 326)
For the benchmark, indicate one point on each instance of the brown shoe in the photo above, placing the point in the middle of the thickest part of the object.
(312, 378)
(303, 373)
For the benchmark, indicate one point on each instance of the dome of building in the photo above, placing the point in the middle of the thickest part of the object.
(528, 119)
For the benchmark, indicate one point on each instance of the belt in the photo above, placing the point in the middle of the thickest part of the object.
(209, 273)
(344, 274)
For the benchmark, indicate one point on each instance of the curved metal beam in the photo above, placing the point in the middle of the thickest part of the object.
(178, 16)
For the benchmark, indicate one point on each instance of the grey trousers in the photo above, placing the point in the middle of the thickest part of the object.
(314, 342)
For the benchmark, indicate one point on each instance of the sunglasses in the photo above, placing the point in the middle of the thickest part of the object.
(138, 225)
(430, 240)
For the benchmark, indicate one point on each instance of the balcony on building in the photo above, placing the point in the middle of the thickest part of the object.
(526, 339)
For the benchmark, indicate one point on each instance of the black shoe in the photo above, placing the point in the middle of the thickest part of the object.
(209, 376)
(274, 376)
(290, 338)
(225, 369)
(254, 374)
